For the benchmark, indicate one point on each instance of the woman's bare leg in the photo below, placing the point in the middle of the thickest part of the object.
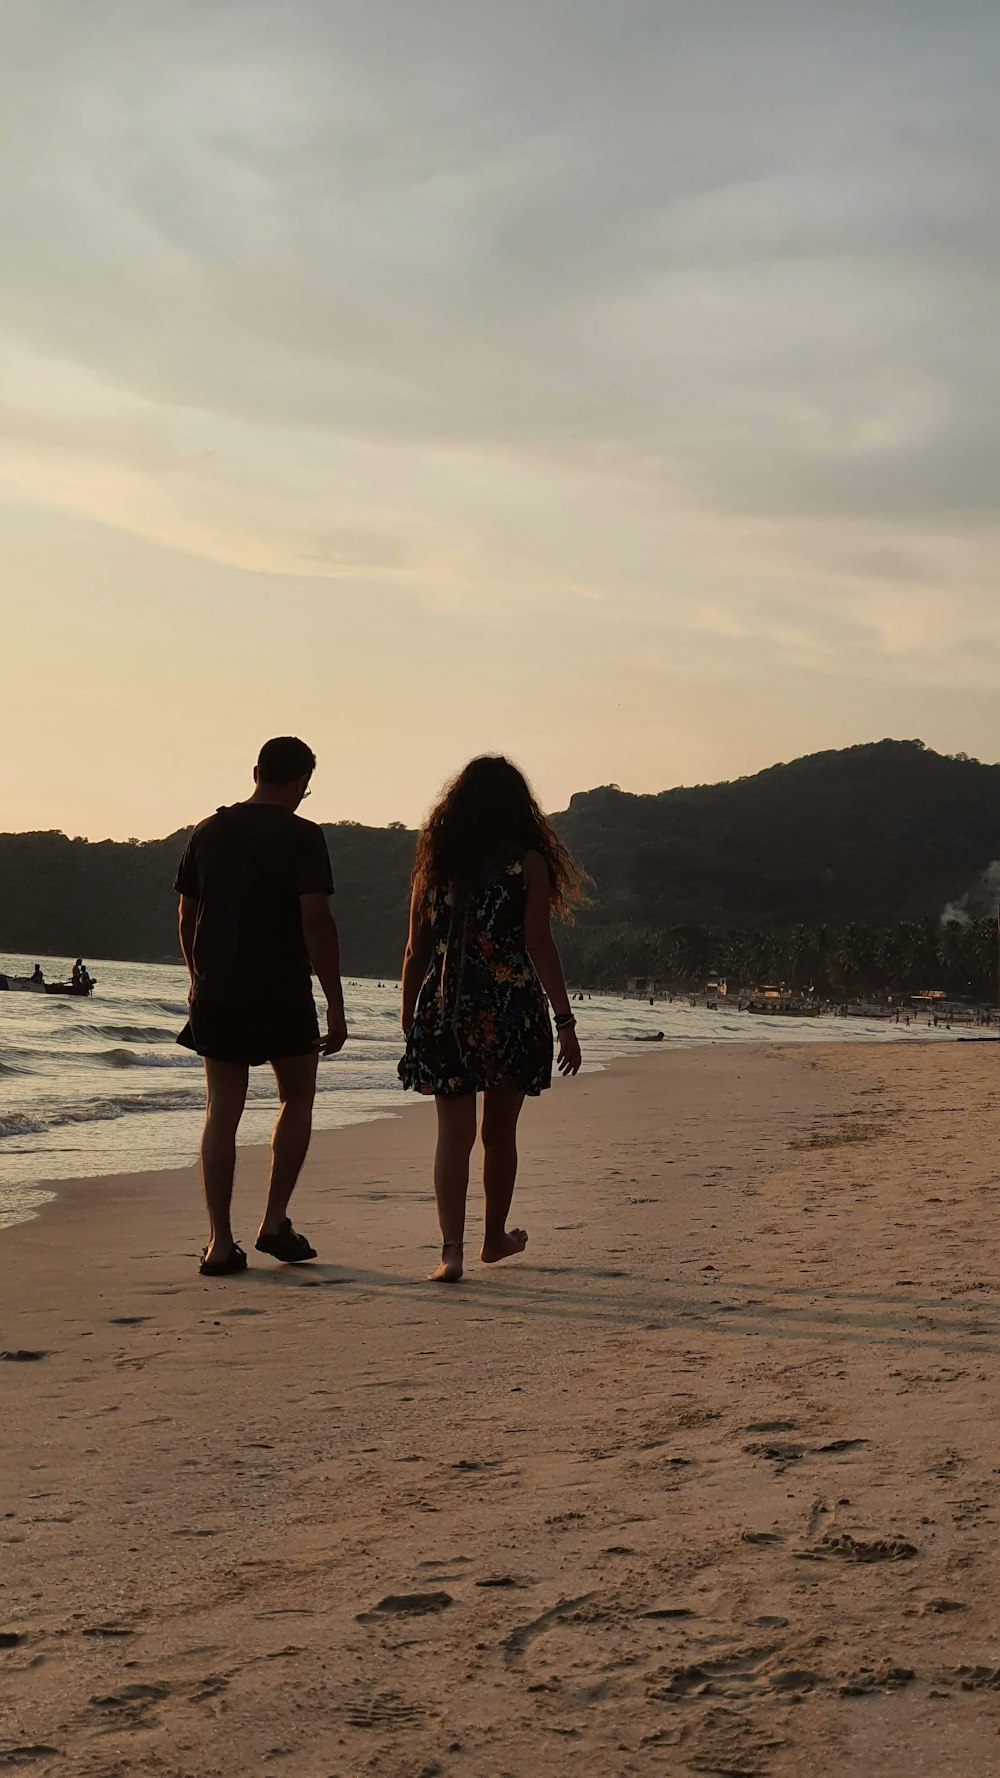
(501, 1110)
(456, 1135)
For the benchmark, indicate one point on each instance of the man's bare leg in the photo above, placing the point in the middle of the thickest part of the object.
(501, 1110)
(456, 1135)
(226, 1088)
(296, 1078)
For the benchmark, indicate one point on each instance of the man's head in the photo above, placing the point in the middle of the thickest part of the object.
(283, 770)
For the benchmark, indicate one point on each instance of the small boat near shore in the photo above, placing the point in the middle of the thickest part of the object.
(783, 1009)
(26, 984)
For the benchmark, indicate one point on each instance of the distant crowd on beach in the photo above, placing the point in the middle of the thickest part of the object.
(485, 1014)
(935, 1011)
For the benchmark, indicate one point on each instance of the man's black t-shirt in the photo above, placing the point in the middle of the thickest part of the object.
(247, 866)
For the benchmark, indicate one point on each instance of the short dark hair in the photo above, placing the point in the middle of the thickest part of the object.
(284, 759)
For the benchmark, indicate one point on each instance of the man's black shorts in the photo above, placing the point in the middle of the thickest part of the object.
(232, 1031)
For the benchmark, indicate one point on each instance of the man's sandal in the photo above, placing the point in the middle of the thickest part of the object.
(235, 1262)
(288, 1246)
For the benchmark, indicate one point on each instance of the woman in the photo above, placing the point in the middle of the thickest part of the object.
(479, 963)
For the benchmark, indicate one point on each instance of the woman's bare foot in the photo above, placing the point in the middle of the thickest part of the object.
(450, 1269)
(514, 1241)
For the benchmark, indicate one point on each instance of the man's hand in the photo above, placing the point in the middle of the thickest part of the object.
(336, 1033)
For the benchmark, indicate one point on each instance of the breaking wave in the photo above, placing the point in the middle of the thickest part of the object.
(58, 1117)
(125, 1058)
(8, 1067)
(130, 1033)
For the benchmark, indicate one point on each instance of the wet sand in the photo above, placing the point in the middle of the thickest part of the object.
(705, 1483)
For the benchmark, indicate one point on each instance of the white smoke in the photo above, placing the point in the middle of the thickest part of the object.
(979, 902)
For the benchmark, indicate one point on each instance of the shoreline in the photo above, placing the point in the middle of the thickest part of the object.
(255, 1153)
(703, 1482)
(53, 1187)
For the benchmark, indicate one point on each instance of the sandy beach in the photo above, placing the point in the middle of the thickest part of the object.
(706, 1483)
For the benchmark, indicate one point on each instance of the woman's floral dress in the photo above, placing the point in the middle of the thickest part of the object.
(482, 1019)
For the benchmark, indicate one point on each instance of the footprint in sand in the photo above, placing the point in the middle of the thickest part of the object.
(563, 1610)
(21, 1356)
(132, 1699)
(857, 1549)
(407, 1605)
(446, 1562)
(885, 1678)
(729, 1675)
(384, 1710)
(975, 1679)
(204, 1690)
(725, 1741)
(780, 1454)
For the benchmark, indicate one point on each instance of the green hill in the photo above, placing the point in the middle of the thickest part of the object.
(869, 836)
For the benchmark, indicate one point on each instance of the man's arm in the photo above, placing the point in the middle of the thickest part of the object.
(319, 929)
(187, 915)
(418, 955)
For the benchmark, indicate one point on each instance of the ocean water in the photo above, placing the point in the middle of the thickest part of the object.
(98, 1086)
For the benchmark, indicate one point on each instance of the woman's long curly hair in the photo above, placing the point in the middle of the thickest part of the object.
(485, 816)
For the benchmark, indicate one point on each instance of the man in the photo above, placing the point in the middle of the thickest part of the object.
(254, 886)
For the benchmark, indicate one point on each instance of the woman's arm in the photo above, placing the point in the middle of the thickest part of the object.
(417, 957)
(541, 948)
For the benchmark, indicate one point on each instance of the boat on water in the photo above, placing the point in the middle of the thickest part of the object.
(783, 1009)
(26, 984)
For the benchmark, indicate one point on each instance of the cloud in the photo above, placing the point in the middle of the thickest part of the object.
(688, 307)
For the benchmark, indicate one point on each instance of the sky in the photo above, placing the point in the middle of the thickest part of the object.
(612, 383)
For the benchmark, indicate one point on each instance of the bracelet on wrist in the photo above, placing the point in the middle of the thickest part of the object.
(564, 1019)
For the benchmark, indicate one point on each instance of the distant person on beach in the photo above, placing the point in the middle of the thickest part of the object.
(479, 964)
(255, 885)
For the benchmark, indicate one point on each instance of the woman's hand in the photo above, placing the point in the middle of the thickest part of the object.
(569, 1051)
